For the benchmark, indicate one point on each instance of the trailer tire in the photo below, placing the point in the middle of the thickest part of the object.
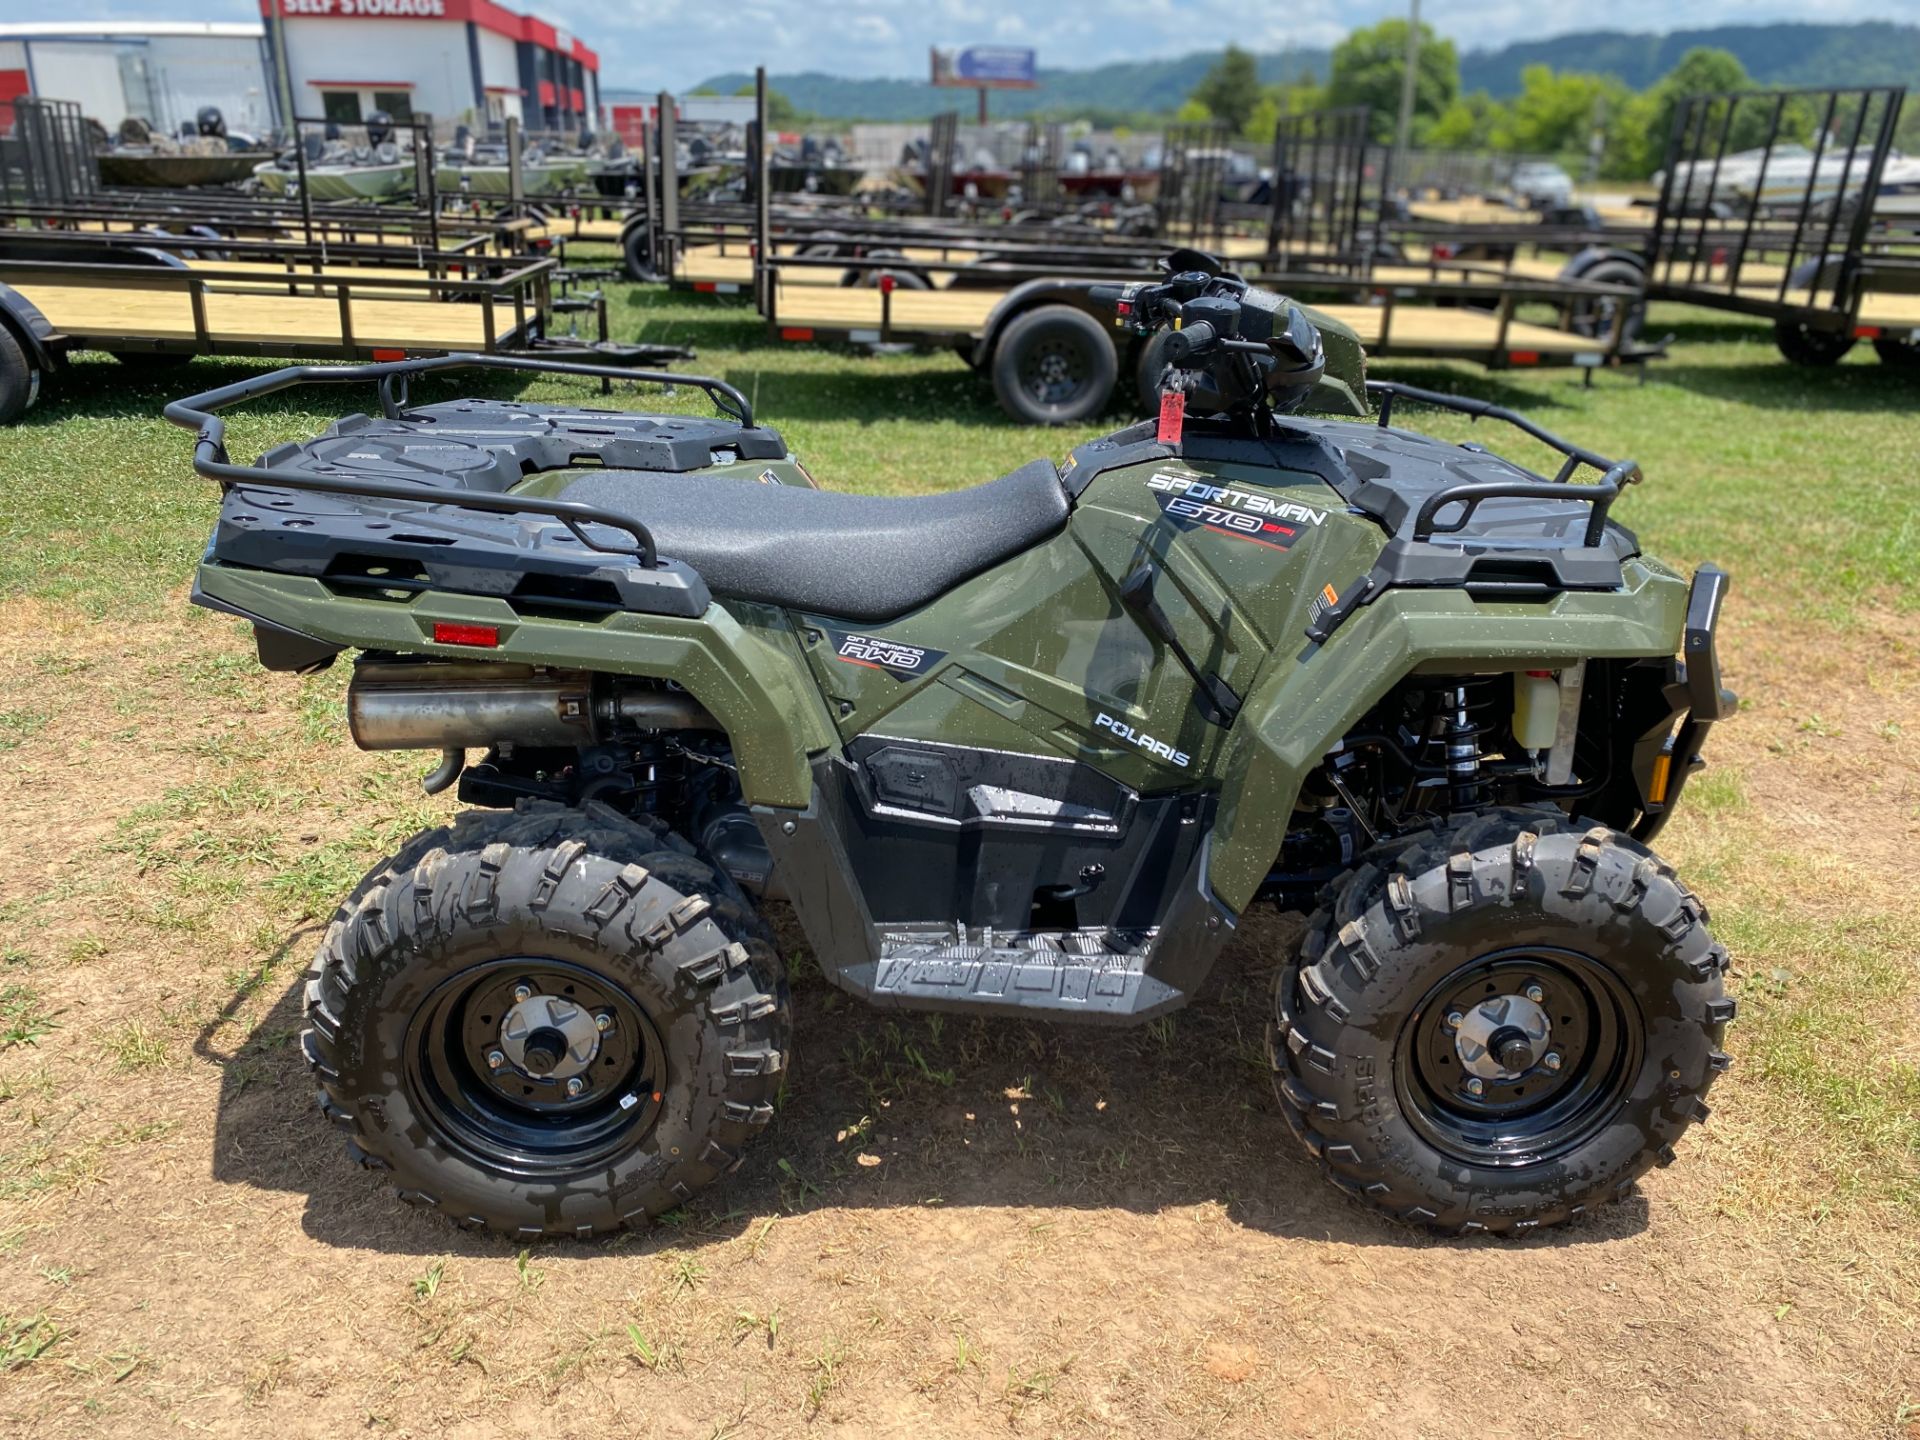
(633, 248)
(1901, 354)
(1595, 316)
(1148, 369)
(19, 378)
(411, 1001)
(1804, 345)
(1054, 365)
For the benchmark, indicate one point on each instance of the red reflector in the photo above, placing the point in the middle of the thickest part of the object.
(1866, 332)
(385, 355)
(705, 287)
(792, 333)
(1523, 357)
(1443, 252)
(447, 633)
(886, 284)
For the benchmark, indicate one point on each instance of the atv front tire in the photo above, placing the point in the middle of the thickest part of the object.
(547, 1022)
(1496, 1024)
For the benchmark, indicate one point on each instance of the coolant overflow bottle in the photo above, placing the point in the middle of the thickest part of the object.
(1536, 709)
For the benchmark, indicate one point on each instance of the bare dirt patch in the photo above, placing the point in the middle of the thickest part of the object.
(958, 1228)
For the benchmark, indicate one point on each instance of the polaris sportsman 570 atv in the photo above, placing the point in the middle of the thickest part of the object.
(1027, 749)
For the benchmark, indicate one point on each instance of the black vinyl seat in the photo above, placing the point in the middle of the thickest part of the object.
(861, 557)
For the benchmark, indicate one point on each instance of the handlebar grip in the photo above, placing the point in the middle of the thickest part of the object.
(1189, 339)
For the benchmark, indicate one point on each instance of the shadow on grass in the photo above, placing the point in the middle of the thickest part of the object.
(985, 1114)
(1777, 384)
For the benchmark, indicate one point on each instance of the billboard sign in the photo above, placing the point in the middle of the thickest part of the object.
(986, 67)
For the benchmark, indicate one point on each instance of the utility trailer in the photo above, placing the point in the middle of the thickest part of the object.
(130, 297)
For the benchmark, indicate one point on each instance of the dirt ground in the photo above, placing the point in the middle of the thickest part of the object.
(958, 1228)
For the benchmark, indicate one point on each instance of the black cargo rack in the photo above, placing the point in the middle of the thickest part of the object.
(210, 459)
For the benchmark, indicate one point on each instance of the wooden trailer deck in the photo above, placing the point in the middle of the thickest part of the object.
(98, 316)
(951, 314)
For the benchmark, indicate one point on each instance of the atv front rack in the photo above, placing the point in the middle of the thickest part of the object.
(210, 459)
(1615, 475)
(1411, 557)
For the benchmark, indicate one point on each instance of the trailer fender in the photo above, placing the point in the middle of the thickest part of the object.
(33, 330)
(1031, 293)
(1596, 255)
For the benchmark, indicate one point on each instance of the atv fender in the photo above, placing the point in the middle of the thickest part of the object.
(1307, 700)
(742, 663)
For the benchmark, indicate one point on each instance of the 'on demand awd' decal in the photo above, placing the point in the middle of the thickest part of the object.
(1192, 503)
(903, 662)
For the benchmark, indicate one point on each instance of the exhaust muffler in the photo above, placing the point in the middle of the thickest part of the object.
(465, 705)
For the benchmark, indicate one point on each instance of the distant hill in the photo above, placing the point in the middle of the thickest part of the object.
(1871, 52)
(1149, 87)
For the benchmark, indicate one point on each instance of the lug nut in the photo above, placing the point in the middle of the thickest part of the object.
(1476, 1086)
(1551, 1060)
(1536, 994)
(522, 992)
(1455, 1020)
(603, 1021)
(495, 1059)
(576, 1086)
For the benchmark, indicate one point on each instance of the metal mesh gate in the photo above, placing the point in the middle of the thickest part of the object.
(1767, 200)
(1194, 161)
(1328, 184)
(46, 155)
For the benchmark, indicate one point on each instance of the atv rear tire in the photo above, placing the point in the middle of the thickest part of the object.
(1560, 960)
(651, 985)
(19, 378)
(1054, 365)
(1806, 346)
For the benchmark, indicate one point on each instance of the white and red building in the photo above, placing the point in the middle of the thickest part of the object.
(469, 61)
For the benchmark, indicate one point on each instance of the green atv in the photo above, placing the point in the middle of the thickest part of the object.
(1030, 749)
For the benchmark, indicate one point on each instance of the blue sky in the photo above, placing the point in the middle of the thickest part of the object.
(651, 44)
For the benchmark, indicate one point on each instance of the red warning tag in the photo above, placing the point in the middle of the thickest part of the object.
(1173, 416)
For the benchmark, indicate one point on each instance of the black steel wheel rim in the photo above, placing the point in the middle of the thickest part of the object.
(1054, 369)
(514, 1122)
(1520, 1118)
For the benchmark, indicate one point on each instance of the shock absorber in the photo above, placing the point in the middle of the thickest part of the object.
(1462, 739)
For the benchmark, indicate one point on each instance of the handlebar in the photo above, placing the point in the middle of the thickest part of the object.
(1194, 339)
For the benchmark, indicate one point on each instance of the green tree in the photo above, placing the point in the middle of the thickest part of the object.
(1277, 101)
(1231, 89)
(781, 112)
(1469, 123)
(1367, 68)
(1701, 71)
(1556, 112)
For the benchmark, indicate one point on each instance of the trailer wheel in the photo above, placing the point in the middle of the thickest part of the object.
(1595, 316)
(19, 378)
(633, 246)
(1149, 370)
(1804, 345)
(1903, 354)
(868, 276)
(1054, 365)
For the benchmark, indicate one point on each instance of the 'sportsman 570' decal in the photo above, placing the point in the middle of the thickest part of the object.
(1191, 503)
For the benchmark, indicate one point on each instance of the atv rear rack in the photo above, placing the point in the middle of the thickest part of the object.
(210, 459)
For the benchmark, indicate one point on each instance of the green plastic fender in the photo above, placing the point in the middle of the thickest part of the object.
(740, 661)
(1306, 698)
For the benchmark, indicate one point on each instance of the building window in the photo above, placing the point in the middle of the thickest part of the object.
(397, 103)
(342, 107)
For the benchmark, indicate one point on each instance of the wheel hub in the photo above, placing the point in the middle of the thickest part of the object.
(549, 1037)
(1502, 1037)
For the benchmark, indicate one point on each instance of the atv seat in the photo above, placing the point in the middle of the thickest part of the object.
(859, 557)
